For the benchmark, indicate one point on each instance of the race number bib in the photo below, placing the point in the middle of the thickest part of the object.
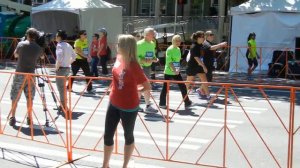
(85, 51)
(201, 58)
(149, 55)
(176, 65)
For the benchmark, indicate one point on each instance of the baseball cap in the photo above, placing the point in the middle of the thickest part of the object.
(103, 30)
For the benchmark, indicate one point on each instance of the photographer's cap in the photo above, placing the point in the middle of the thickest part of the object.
(103, 30)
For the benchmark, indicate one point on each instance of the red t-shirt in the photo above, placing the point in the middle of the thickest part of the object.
(124, 93)
(93, 48)
(103, 41)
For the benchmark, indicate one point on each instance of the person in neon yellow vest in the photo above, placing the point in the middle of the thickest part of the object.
(251, 53)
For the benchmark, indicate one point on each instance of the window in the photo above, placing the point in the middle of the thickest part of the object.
(146, 7)
(197, 8)
(214, 3)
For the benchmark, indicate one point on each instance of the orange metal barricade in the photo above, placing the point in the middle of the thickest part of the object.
(7, 46)
(265, 58)
(35, 131)
(210, 146)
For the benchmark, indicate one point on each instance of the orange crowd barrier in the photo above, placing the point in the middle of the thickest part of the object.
(212, 133)
(7, 47)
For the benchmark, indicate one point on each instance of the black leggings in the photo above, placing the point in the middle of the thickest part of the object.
(181, 86)
(103, 62)
(252, 62)
(84, 65)
(113, 116)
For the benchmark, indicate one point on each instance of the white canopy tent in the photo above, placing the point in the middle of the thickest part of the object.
(275, 22)
(71, 15)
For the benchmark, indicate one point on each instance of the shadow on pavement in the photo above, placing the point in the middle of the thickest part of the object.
(37, 130)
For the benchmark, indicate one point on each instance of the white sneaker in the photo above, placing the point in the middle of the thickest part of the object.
(140, 109)
(211, 99)
(163, 106)
(150, 109)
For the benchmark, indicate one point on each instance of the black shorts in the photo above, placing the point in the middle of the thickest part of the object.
(252, 62)
(193, 71)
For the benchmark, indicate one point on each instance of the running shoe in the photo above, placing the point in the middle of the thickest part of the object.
(188, 104)
(140, 109)
(150, 110)
(163, 106)
(211, 99)
(201, 93)
(12, 121)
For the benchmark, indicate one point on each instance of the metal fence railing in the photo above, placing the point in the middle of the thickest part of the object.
(192, 23)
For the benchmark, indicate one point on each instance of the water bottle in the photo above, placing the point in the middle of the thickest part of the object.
(215, 63)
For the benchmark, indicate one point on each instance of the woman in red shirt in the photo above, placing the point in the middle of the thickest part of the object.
(102, 50)
(124, 101)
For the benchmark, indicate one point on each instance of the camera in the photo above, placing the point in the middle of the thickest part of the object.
(43, 39)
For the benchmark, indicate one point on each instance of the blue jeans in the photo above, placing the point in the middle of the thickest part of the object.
(94, 63)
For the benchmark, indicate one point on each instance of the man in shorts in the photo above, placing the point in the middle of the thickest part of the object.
(27, 52)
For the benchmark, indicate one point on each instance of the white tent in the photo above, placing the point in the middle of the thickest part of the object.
(275, 22)
(71, 15)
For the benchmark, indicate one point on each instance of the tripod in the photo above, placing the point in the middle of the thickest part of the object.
(41, 83)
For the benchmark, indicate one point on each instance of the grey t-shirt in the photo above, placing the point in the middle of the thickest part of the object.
(28, 53)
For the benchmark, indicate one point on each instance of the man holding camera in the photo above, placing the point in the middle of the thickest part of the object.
(27, 52)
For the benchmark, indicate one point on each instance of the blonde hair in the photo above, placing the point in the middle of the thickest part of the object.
(175, 38)
(207, 33)
(127, 48)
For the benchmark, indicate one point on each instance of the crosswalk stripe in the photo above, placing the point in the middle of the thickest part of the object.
(176, 120)
(139, 133)
(191, 123)
(97, 133)
(60, 154)
(89, 110)
(25, 159)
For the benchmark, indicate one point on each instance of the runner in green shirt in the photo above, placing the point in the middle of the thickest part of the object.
(251, 54)
(146, 52)
(146, 56)
(82, 59)
(172, 72)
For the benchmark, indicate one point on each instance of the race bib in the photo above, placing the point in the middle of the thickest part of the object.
(176, 65)
(149, 55)
(201, 58)
(85, 51)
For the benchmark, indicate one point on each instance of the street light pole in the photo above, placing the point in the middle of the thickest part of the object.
(221, 18)
(157, 11)
(175, 20)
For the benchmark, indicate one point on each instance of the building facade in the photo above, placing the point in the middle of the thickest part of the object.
(167, 7)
